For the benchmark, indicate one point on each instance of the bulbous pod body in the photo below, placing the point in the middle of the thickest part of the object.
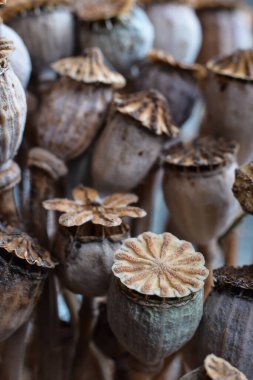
(177, 29)
(12, 111)
(226, 326)
(20, 59)
(229, 102)
(224, 31)
(124, 40)
(201, 204)
(48, 34)
(126, 140)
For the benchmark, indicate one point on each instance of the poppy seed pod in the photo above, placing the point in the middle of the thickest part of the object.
(88, 254)
(243, 187)
(23, 269)
(226, 26)
(215, 368)
(230, 80)
(134, 135)
(177, 28)
(121, 30)
(20, 59)
(225, 329)
(177, 82)
(84, 91)
(197, 187)
(46, 27)
(155, 300)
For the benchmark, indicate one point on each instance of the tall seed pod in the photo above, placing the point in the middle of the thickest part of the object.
(243, 187)
(215, 368)
(121, 30)
(225, 329)
(226, 26)
(84, 91)
(46, 27)
(95, 232)
(176, 81)
(20, 59)
(155, 301)
(230, 80)
(177, 28)
(135, 133)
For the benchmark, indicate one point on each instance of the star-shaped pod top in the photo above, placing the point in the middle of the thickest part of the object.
(89, 68)
(24, 247)
(219, 369)
(6, 47)
(87, 206)
(96, 10)
(160, 265)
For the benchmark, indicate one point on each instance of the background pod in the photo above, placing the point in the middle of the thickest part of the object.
(153, 310)
(226, 326)
(134, 135)
(243, 187)
(228, 93)
(46, 27)
(121, 30)
(84, 91)
(177, 28)
(226, 26)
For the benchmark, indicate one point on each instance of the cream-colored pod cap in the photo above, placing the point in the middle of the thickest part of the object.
(219, 369)
(160, 265)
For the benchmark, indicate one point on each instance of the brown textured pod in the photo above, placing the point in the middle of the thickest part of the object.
(197, 186)
(175, 80)
(230, 79)
(155, 299)
(225, 329)
(84, 92)
(134, 136)
(40, 24)
(23, 268)
(12, 106)
(226, 26)
(243, 187)
(86, 253)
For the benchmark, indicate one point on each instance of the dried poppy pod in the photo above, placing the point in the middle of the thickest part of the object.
(230, 79)
(84, 91)
(132, 140)
(215, 368)
(197, 186)
(225, 329)
(23, 268)
(177, 28)
(243, 187)
(13, 106)
(226, 26)
(177, 81)
(88, 254)
(121, 30)
(155, 301)
(46, 27)
(20, 59)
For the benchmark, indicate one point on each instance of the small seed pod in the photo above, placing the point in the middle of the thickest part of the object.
(84, 91)
(230, 80)
(13, 106)
(225, 329)
(215, 369)
(135, 133)
(155, 301)
(177, 28)
(243, 187)
(46, 27)
(226, 26)
(23, 269)
(176, 81)
(197, 186)
(88, 253)
(20, 59)
(121, 30)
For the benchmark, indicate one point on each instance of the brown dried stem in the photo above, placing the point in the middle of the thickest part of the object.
(208, 250)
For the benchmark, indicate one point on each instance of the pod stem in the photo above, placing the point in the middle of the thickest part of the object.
(230, 244)
(208, 250)
(13, 355)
